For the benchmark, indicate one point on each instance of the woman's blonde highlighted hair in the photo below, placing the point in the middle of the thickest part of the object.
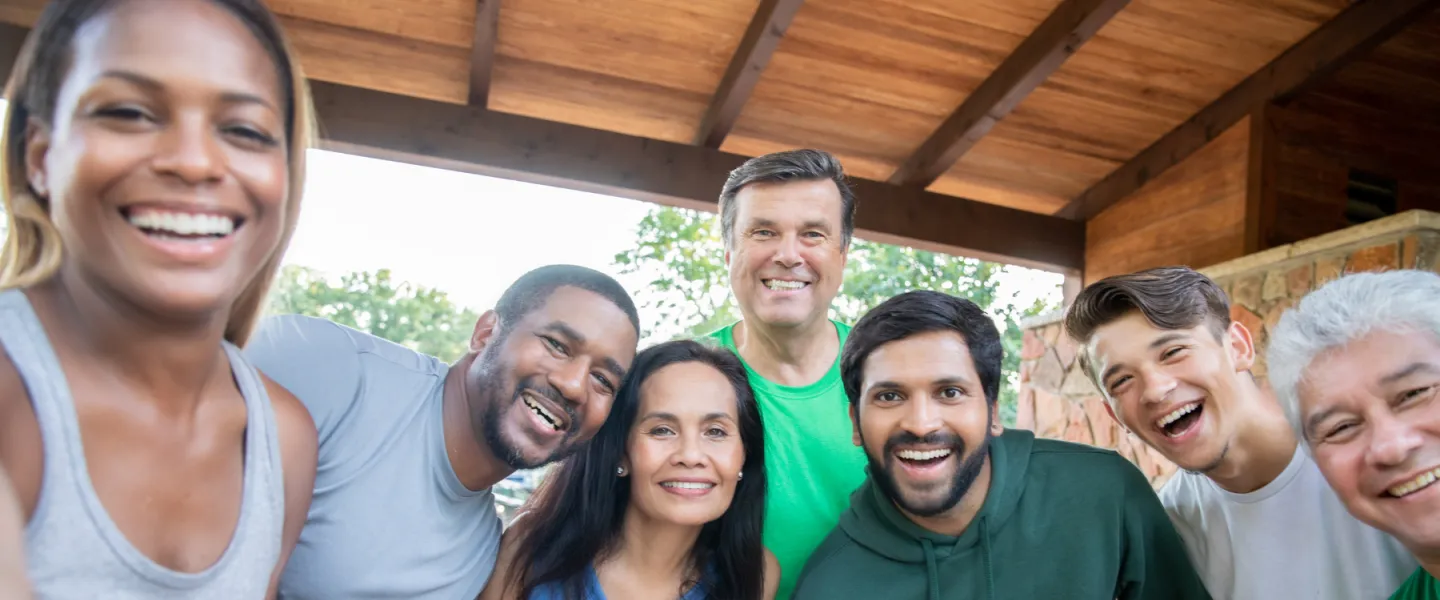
(33, 250)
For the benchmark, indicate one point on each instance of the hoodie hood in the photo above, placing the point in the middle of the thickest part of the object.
(873, 521)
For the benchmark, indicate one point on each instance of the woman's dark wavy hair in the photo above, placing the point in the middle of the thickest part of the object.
(575, 518)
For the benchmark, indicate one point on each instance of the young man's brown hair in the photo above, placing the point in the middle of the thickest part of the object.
(1169, 297)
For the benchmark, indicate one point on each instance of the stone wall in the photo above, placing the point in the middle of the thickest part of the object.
(1058, 401)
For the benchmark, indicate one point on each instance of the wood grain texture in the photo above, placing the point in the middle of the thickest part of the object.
(1356, 30)
(763, 35)
(1193, 214)
(1152, 67)
(1058, 37)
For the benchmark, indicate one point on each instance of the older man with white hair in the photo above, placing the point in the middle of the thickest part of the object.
(1356, 367)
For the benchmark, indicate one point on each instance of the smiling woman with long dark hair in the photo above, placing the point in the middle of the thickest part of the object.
(670, 495)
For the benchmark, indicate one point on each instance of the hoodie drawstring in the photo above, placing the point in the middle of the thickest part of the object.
(933, 574)
(989, 572)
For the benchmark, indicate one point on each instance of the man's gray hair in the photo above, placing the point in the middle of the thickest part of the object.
(1340, 312)
(790, 165)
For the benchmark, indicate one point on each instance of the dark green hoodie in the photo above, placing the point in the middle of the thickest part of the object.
(1061, 521)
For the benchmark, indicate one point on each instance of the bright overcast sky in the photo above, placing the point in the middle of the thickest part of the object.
(471, 235)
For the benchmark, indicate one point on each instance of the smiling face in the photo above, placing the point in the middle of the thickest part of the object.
(1177, 389)
(165, 161)
(546, 386)
(788, 255)
(684, 454)
(1370, 414)
(924, 421)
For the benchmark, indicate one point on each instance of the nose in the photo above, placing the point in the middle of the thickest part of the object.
(1393, 441)
(1156, 385)
(788, 254)
(569, 380)
(921, 418)
(690, 453)
(189, 150)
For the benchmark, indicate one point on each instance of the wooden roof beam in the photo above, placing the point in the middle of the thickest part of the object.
(1069, 26)
(482, 54)
(761, 39)
(1355, 31)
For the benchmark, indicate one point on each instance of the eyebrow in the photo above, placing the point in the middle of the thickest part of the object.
(153, 85)
(1317, 418)
(1411, 369)
(575, 337)
(892, 385)
(665, 416)
(1157, 343)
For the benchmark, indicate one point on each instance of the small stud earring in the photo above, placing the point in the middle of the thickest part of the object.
(740, 475)
(620, 471)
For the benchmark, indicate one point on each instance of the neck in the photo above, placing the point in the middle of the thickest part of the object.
(788, 356)
(955, 521)
(474, 463)
(655, 551)
(173, 360)
(1429, 560)
(1263, 446)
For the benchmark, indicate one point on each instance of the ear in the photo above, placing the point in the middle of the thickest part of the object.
(1240, 346)
(996, 427)
(37, 145)
(855, 424)
(484, 330)
(625, 464)
(727, 258)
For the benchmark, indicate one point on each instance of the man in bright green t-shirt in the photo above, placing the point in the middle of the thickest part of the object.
(787, 220)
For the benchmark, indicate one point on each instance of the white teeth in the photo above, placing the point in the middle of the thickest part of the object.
(1177, 413)
(776, 284)
(925, 455)
(1415, 485)
(544, 414)
(688, 485)
(184, 223)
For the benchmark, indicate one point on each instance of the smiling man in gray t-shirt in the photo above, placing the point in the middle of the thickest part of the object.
(409, 447)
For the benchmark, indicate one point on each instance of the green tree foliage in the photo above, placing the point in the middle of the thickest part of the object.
(421, 318)
(680, 253)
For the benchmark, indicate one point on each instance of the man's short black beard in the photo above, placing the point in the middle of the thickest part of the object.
(496, 407)
(965, 476)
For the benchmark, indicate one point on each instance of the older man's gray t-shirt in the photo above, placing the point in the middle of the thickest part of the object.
(389, 518)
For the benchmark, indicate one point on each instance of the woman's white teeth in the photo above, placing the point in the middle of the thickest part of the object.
(1176, 414)
(923, 455)
(183, 223)
(1416, 484)
(688, 485)
(776, 284)
(544, 414)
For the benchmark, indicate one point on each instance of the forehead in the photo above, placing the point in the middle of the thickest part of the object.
(1364, 367)
(811, 200)
(688, 389)
(594, 317)
(920, 359)
(168, 39)
(1129, 338)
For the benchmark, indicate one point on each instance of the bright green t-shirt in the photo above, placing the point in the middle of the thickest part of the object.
(1420, 586)
(810, 462)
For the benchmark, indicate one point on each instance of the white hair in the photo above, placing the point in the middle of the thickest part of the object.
(1340, 312)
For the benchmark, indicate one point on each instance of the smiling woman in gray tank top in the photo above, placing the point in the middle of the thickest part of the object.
(153, 158)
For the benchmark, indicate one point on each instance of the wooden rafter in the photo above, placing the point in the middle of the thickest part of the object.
(761, 39)
(1353, 32)
(1057, 38)
(482, 54)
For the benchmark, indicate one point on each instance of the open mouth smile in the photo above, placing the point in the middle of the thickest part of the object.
(549, 415)
(182, 226)
(1419, 482)
(782, 285)
(1180, 421)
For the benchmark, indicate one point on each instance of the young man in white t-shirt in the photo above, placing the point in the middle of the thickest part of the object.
(1258, 518)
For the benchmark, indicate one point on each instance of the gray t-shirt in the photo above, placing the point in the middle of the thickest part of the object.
(389, 518)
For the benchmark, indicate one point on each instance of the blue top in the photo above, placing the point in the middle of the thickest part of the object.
(555, 591)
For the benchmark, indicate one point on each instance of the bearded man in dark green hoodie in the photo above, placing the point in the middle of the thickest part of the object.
(955, 506)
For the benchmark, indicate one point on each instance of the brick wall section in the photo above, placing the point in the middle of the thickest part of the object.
(1058, 401)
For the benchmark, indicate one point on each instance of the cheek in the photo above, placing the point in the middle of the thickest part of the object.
(1342, 467)
(264, 176)
(728, 457)
(646, 456)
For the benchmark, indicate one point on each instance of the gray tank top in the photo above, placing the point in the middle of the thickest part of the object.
(74, 550)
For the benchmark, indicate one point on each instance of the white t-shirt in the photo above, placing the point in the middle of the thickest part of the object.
(1290, 539)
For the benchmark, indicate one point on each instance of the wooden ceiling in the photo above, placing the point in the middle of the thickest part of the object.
(1046, 106)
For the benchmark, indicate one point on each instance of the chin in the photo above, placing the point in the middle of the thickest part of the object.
(693, 516)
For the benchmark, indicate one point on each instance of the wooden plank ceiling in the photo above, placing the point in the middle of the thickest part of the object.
(870, 80)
